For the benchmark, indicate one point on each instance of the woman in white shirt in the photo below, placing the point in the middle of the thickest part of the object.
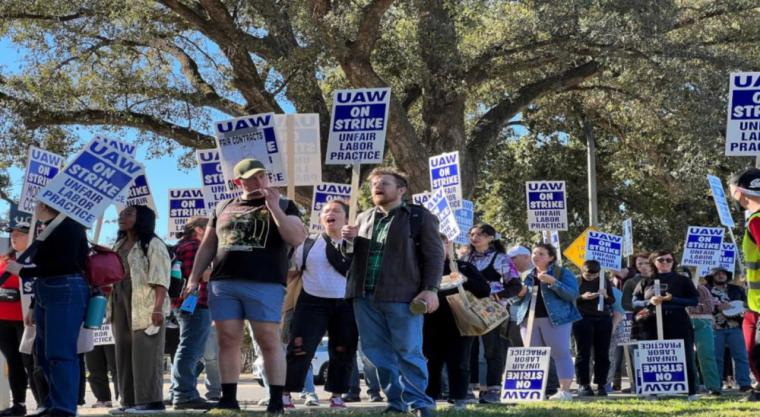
(321, 307)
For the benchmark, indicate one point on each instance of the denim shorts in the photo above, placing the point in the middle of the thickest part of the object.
(245, 300)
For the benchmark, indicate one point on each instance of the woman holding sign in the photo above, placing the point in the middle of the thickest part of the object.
(676, 293)
(61, 297)
(553, 312)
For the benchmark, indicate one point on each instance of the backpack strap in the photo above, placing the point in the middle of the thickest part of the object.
(307, 245)
(415, 221)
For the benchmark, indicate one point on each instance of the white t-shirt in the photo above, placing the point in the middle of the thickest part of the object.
(320, 279)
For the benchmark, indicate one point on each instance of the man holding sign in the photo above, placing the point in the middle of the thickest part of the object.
(250, 236)
(397, 268)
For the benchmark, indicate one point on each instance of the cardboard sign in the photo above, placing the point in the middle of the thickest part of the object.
(445, 174)
(626, 328)
(465, 219)
(439, 206)
(576, 252)
(525, 374)
(703, 246)
(308, 163)
(660, 368)
(358, 126)
(183, 204)
(322, 194)
(41, 167)
(719, 197)
(215, 187)
(727, 260)
(627, 237)
(251, 137)
(743, 124)
(421, 198)
(103, 336)
(91, 182)
(547, 205)
(605, 248)
(138, 194)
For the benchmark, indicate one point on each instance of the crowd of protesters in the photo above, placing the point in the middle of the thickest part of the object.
(376, 281)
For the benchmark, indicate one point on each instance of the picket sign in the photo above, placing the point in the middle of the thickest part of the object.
(658, 311)
(661, 367)
(525, 374)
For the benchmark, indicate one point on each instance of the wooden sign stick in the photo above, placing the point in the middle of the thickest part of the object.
(291, 151)
(658, 311)
(354, 203)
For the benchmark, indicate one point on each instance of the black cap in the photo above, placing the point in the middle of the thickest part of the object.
(749, 181)
(19, 220)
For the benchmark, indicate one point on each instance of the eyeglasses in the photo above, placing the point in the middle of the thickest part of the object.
(664, 260)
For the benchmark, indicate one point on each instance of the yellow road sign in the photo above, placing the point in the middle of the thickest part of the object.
(576, 251)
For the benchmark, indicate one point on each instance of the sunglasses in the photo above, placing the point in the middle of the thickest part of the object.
(664, 260)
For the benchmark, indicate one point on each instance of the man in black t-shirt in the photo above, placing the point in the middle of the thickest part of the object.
(248, 238)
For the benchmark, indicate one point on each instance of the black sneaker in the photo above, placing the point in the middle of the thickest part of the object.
(753, 396)
(375, 398)
(196, 404)
(226, 405)
(350, 398)
(15, 410)
(601, 391)
(586, 391)
(743, 388)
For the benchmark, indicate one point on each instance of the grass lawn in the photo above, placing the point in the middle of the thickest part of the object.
(727, 406)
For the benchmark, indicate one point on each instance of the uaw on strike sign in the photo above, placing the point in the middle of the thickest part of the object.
(547, 205)
(358, 126)
(743, 125)
(91, 182)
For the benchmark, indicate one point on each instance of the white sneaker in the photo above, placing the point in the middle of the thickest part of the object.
(693, 397)
(311, 400)
(562, 396)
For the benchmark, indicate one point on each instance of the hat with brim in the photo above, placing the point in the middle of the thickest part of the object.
(18, 220)
(247, 168)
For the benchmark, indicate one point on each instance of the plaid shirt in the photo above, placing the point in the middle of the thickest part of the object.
(185, 253)
(376, 247)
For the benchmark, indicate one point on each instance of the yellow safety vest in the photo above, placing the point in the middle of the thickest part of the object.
(752, 262)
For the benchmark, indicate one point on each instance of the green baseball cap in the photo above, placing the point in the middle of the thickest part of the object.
(247, 168)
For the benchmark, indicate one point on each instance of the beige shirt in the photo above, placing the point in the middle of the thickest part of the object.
(145, 271)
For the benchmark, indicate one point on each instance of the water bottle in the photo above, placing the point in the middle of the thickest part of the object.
(188, 306)
(96, 312)
(176, 283)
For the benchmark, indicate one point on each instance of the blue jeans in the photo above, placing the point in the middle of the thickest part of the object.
(61, 303)
(392, 340)
(193, 332)
(213, 380)
(734, 339)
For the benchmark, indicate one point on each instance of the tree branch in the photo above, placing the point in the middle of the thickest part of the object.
(487, 129)
(33, 16)
(369, 28)
(730, 9)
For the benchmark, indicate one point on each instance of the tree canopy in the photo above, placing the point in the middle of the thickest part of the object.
(648, 78)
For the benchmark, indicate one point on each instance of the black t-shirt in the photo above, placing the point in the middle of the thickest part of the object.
(250, 246)
(64, 252)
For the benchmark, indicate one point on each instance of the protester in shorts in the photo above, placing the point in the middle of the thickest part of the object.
(194, 328)
(61, 297)
(20, 365)
(677, 293)
(728, 328)
(442, 342)
(555, 312)
(321, 308)
(593, 330)
(489, 256)
(398, 261)
(249, 238)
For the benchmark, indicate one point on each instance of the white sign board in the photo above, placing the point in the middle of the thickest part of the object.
(215, 187)
(703, 246)
(439, 206)
(605, 248)
(251, 137)
(465, 219)
(743, 124)
(103, 336)
(719, 196)
(446, 174)
(525, 374)
(547, 205)
(660, 368)
(183, 204)
(41, 167)
(138, 194)
(308, 163)
(91, 182)
(627, 237)
(421, 198)
(358, 126)
(727, 260)
(322, 194)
